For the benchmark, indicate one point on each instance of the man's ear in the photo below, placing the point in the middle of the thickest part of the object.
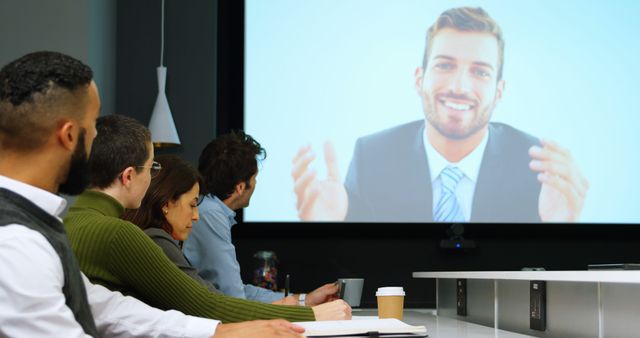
(66, 135)
(418, 78)
(240, 187)
(126, 176)
(500, 90)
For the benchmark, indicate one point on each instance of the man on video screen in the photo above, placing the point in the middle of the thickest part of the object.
(454, 165)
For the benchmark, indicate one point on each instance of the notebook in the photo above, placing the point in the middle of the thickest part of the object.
(388, 327)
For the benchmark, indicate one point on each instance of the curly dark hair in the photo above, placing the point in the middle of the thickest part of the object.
(176, 178)
(36, 91)
(228, 160)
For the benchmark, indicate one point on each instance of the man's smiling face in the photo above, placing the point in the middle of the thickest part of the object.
(459, 87)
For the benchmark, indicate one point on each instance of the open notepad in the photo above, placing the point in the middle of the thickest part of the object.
(388, 326)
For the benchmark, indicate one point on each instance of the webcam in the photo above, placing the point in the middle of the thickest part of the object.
(456, 241)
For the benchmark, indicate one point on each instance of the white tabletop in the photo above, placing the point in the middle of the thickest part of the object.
(614, 276)
(442, 327)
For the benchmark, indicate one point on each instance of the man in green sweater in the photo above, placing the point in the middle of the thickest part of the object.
(118, 255)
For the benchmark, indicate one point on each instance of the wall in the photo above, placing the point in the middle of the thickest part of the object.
(82, 29)
(190, 58)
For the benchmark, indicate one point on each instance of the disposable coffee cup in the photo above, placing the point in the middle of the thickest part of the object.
(351, 290)
(390, 302)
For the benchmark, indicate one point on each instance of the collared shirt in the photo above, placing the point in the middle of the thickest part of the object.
(31, 300)
(210, 250)
(469, 165)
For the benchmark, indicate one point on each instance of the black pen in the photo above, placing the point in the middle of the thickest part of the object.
(286, 286)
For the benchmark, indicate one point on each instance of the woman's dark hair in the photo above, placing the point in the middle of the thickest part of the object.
(174, 179)
(228, 160)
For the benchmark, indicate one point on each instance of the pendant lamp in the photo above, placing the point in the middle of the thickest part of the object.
(162, 128)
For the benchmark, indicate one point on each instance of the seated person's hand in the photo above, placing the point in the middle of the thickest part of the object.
(323, 294)
(336, 310)
(278, 328)
(290, 300)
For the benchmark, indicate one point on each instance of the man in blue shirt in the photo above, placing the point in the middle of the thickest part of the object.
(229, 165)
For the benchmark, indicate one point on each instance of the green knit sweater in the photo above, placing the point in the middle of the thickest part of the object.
(118, 255)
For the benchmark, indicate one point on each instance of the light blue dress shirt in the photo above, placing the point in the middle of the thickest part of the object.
(210, 250)
(470, 167)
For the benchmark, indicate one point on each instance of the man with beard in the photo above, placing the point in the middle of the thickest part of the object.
(48, 109)
(455, 165)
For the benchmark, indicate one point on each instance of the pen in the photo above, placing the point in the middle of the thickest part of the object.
(286, 285)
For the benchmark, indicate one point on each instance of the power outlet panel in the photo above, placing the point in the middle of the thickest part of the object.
(461, 297)
(538, 305)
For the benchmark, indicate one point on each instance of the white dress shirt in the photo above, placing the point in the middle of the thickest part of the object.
(32, 303)
(470, 166)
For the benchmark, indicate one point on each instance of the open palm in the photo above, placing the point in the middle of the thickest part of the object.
(564, 188)
(318, 200)
(553, 206)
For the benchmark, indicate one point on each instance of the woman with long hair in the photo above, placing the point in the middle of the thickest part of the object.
(168, 210)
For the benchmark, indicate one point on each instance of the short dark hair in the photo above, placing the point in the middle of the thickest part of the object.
(175, 179)
(121, 142)
(36, 91)
(228, 160)
(466, 19)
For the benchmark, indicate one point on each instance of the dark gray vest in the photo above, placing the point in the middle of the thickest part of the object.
(15, 209)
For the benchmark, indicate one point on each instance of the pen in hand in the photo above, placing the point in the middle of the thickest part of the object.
(341, 287)
(286, 285)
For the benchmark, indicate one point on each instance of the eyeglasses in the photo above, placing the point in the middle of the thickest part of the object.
(154, 169)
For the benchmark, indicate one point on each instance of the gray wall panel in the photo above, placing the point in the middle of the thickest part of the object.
(572, 309)
(80, 28)
(621, 310)
(479, 301)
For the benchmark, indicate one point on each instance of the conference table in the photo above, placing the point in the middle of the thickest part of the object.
(443, 327)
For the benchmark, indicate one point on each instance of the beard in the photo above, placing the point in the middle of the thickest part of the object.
(78, 177)
(437, 117)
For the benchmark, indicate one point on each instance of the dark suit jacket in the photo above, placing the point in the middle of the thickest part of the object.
(389, 179)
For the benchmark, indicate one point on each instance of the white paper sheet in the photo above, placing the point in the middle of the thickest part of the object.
(359, 326)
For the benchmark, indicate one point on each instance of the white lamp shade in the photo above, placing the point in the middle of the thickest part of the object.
(163, 130)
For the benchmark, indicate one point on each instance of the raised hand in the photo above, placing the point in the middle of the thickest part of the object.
(336, 310)
(318, 200)
(564, 188)
(277, 328)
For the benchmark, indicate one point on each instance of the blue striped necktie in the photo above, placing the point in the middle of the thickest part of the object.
(448, 209)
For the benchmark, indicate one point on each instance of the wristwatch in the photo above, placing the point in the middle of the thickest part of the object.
(301, 298)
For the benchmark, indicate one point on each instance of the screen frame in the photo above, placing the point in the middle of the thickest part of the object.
(230, 116)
